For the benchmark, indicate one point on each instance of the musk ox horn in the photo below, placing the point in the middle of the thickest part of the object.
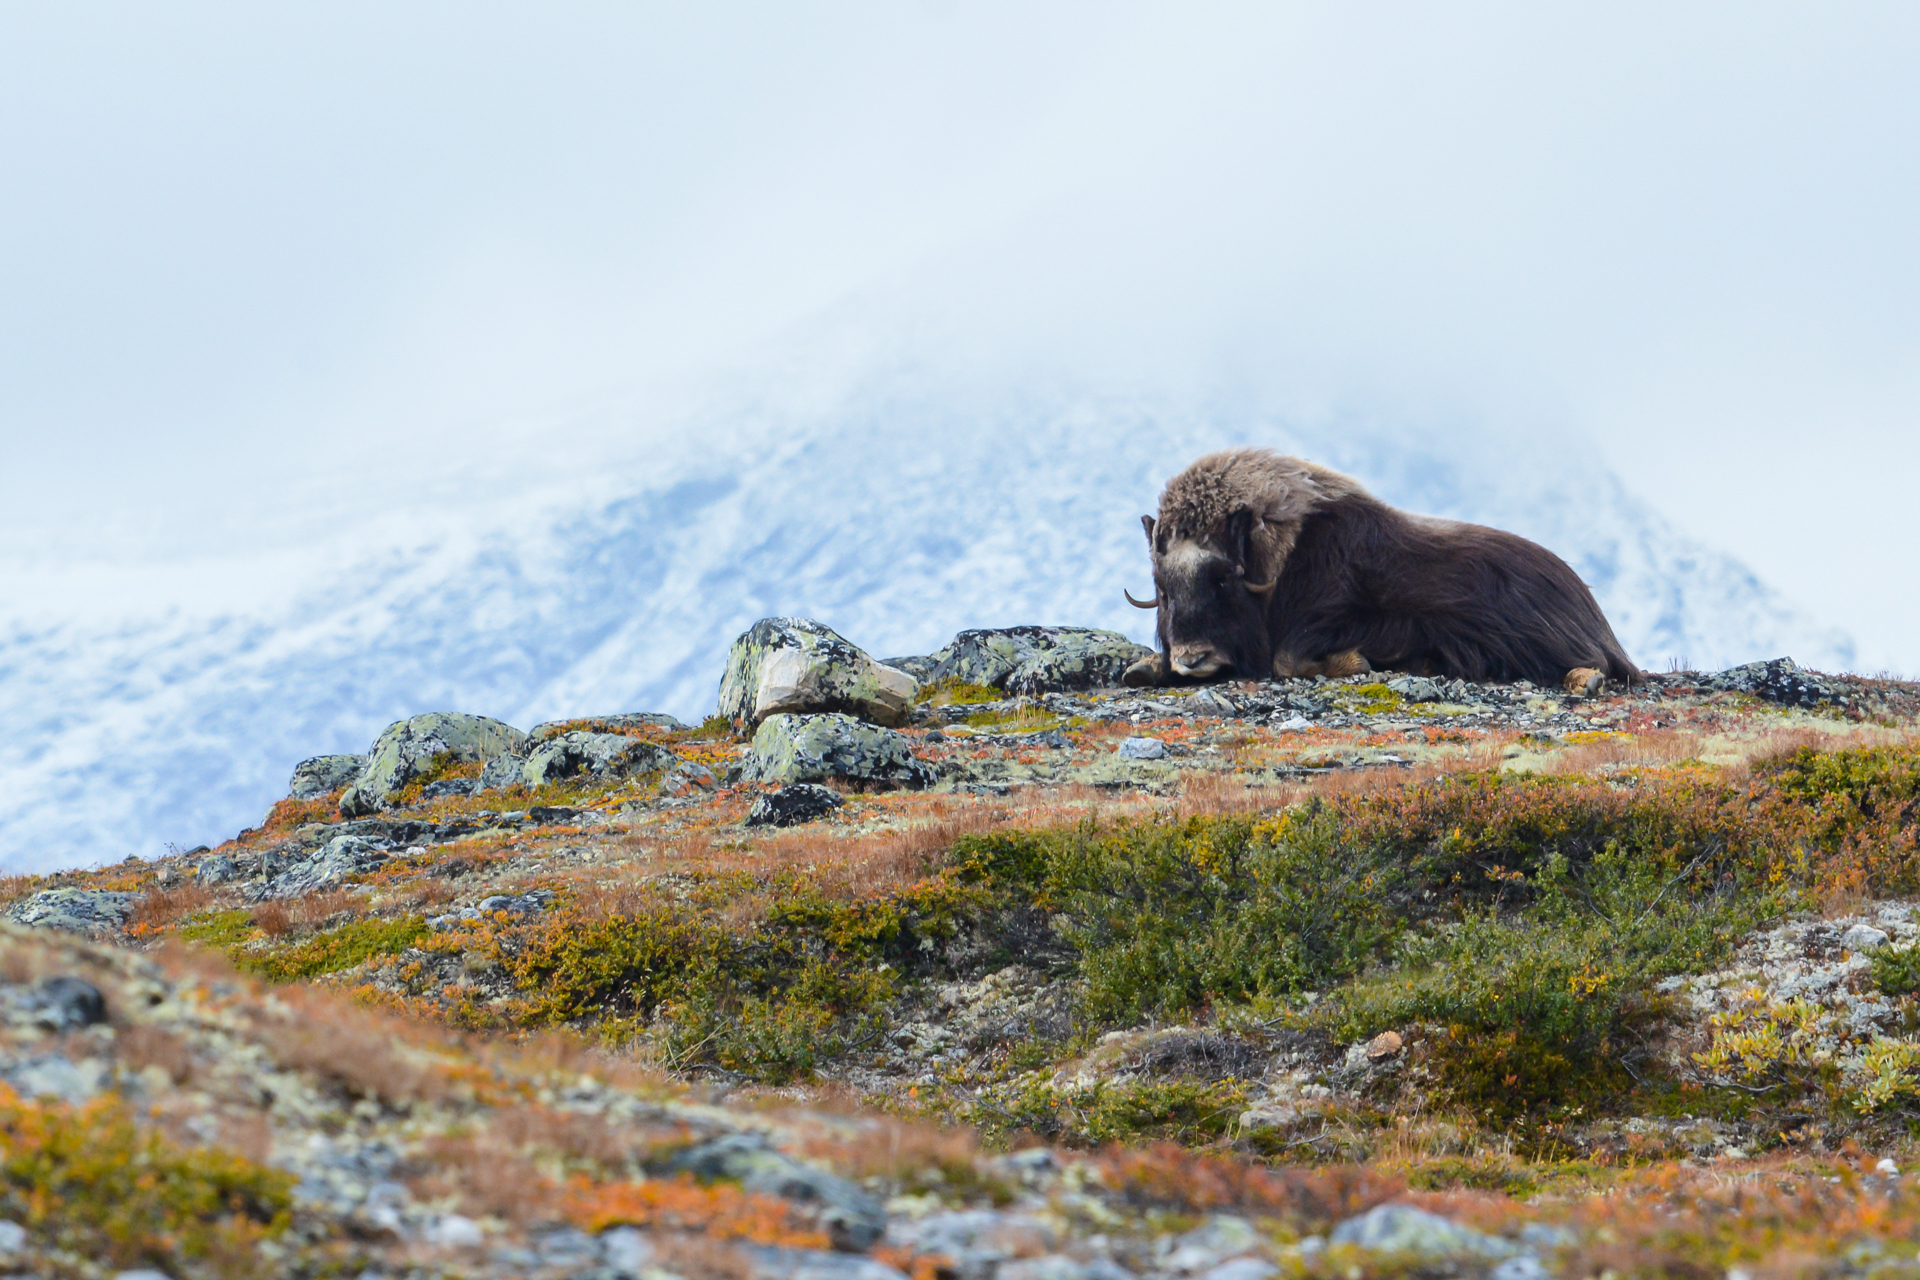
(1262, 588)
(1141, 604)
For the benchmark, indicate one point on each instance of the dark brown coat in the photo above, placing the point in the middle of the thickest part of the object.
(1266, 563)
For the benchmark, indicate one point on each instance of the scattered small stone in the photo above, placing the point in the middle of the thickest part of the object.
(688, 779)
(1140, 748)
(1863, 937)
(13, 1237)
(1415, 688)
(445, 787)
(792, 805)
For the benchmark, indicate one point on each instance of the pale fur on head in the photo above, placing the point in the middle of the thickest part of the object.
(1279, 490)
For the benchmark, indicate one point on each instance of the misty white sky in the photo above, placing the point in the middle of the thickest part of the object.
(263, 268)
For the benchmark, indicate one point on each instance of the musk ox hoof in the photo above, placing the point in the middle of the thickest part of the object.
(1585, 682)
(1148, 673)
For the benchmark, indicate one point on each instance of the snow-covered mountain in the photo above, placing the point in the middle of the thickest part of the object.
(895, 510)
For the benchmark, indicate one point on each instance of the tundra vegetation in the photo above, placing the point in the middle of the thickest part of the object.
(1638, 968)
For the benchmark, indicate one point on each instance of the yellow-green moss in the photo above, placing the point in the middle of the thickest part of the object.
(336, 949)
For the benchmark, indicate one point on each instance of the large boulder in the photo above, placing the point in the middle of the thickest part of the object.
(797, 665)
(1030, 660)
(594, 755)
(409, 750)
(791, 748)
(324, 775)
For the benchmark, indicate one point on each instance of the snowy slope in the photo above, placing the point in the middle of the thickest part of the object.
(897, 514)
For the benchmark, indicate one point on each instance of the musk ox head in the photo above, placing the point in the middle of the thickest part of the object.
(1212, 604)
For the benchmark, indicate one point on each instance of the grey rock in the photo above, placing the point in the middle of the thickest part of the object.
(13, 1237)
(793, 748)
(1138, 748)
(605, 724)
(1033, 660)
(769, 1263)
(1863, 937)
(324, 775)
(409, 749)
(627, 1250)
(1416, 688)
(688, 778)
(1780, 680)
(1048, 1266)
(1521, 1266)
(53, 1076)
(919, 667)
(1212, 1242)
(141, 1273)
(339, 858)
(853, 1219)
(499, 771)
(449, 787)
(1241, 1269)
(593, 755)
(796, 665)
(76, 910)
(1401, 1228)
(66, 1003)
(218, 869)
(790, 806)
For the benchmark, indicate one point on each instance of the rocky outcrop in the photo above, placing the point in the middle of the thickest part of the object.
(324, 775)
(1780, 680)
(591, 755)
(1034, 660)
(339, 858)
(792, 748)
(75, 910)
(605, 724)
(410, 750)
(796, 665)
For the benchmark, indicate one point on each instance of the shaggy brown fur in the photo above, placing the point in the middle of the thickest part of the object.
(1266, 563)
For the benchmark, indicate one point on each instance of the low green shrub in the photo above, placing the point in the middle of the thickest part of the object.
(1896, 972)
(336, 949)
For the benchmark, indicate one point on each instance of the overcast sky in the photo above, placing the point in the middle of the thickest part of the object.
(258, 263)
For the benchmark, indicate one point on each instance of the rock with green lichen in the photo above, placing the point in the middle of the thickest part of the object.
(797, 665)
(592, 755)
(324, 775)
(1033, 660)
(413, 750)
(829, 747)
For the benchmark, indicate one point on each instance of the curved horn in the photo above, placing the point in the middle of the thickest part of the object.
(1262, 588)
(1141, 604)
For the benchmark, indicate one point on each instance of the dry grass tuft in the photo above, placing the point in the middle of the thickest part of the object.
(162, 909)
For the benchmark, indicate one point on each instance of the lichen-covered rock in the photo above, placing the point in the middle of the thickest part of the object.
(595, 755)
(1031, 660)
(602, 724)
(339, 858)
(853, 1218)
(797, 665)
(1406, 1229)
(790, 806)
(1779, 680)
(76, 910)
(791, 748)
(324, 775)
(410, 749)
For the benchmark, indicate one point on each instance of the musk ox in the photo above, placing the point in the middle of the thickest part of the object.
(1264, 563)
